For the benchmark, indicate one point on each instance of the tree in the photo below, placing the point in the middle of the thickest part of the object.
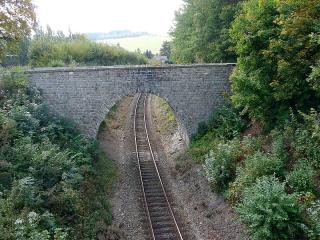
(23, 50)
(17, 19)
(201, 32)
(276, 51)
(148, 54)
(165, 49)
(314, 78)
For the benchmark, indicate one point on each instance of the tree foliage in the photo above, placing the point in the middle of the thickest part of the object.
(201, 32)
(165, 49)
(276, 51)
(148, 54)
(17, 18)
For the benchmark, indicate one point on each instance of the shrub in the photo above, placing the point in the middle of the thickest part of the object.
(220, 164)
(24, 120)
(200, 146)
(251, 144)
(313, 220)
(302, 178)
(255, 166)
(226, 123)
(25, 193)
(269, 212)
(307, 139)
(259, 163)
(12, 79)
(30, 228)
(278, 148)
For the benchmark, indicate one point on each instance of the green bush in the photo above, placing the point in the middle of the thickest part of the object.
(269, 212)
(313, 221)
(301, 178)
(279, 148)
(251, 144)
(255, 166)
(226, 123)
(223, 125)
(12, 79)
(306, 139)
(199, 147)
(220, 164)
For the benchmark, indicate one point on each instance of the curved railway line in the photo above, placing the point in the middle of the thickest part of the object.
(162, 223)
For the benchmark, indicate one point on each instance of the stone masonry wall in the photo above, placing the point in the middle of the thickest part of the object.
(85, 95)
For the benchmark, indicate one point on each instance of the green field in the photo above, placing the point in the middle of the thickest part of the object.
(151, 42)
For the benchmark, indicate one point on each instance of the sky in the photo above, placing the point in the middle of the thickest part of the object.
(153, 16)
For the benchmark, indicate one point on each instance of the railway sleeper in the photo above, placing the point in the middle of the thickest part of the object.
(155, 194)
(160, 204)
(150, 176)
(153, 189)
(164, 218)
(160, 214)
(151, 181)
(165, 230)
(159, 209)
(161, 225)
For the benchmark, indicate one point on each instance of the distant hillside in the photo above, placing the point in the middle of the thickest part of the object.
(115, 35)
(144, 42)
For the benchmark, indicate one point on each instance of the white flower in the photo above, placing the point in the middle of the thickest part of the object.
(18, 221)
(32, 217)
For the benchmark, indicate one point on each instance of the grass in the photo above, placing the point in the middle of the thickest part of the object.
(165, 116)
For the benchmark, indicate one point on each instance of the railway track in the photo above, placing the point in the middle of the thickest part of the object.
(161, 220)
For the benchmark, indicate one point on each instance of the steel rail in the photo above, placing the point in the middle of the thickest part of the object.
(138, 160)
(157, 172)
(156, 167)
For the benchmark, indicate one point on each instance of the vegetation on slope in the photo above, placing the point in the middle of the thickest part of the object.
(277, 44)
(53, 182)
(262, 152)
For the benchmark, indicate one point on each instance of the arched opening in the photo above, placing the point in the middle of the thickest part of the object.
(165, 121)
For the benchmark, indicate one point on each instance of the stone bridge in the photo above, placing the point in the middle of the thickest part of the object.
(85, 95)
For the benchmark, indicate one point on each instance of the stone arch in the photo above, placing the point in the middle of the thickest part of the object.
(85, 95)
(107, 106)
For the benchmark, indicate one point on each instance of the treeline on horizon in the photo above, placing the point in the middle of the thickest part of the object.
(56, 49)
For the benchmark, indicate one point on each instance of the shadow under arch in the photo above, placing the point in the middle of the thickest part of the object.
(109, 105)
